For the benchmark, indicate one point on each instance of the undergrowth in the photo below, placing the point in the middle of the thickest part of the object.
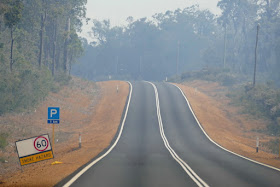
(3, 140)
(24, 89)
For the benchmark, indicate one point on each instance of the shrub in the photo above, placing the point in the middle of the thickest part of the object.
(222, 76)
(23, 89)
(62, 78)
(3, 140)
(273, 146)
(262, 101)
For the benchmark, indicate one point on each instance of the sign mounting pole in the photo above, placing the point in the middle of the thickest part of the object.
(53, 136)
(53, 118)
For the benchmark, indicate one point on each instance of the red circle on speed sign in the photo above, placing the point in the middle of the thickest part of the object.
(41, 143)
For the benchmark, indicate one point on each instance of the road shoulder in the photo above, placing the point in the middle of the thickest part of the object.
(226, 127)
(98, 125)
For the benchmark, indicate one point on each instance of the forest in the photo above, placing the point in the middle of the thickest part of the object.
(39, 42)
(185, 40)
(40, 46)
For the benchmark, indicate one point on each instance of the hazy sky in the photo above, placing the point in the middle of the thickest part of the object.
(118, 10)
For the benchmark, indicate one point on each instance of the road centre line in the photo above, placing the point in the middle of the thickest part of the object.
(205, 133)
(183, 164)
(80, 173)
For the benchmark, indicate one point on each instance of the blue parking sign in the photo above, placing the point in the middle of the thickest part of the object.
(53, 115)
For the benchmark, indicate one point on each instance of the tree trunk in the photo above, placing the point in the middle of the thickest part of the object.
(255, 67)
(225, 47)
(46, 53)
(57, 56)
(65, 59)
(12, 47)
(54, 49)
(43, 17)
(70, 62)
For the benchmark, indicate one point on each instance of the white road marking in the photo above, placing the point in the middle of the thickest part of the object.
(217, 143)
(71, 181)
(183, 164)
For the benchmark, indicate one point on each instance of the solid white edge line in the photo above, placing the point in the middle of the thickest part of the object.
(205, 133)
(183, 164)
(71, 181)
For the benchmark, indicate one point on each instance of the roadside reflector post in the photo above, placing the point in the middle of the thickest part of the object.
(80, 140)
(257, 146)
(117, 88)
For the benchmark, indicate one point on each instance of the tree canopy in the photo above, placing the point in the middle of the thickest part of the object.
(38, 44)
(151, 48)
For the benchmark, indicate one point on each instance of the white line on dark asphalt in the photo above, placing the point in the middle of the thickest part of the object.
(71, 181)
(216, 142)
(183, 164)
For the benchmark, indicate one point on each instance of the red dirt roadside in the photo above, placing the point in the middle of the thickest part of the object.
(224, 123)
(92, 109)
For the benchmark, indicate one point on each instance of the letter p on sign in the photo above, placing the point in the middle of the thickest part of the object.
(53, 112)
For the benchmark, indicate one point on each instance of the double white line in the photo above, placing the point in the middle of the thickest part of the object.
(183, 164)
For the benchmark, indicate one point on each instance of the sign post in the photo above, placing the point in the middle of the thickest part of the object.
(53, 118)
(34, 149)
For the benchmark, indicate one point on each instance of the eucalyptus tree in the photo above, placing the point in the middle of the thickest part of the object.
(12, 18)
(43, 12)
(239, 17)
(74, 12)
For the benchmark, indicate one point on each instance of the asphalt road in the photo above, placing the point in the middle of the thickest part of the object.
(173, 153)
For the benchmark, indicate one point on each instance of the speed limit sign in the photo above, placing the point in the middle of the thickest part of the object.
(41, 143)
(34, 149)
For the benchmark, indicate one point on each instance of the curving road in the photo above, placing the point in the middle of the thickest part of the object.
(162, 145)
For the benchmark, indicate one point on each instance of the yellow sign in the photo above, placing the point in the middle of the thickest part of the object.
(36, 158)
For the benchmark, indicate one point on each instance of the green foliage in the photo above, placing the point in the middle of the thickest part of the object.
(2, 160)
(3, 140)
(273, 146)
(263, 101)
(222, 76)
(14, 13)
(265, 98)
(62, 79)
(23, 89)
(28, 83)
